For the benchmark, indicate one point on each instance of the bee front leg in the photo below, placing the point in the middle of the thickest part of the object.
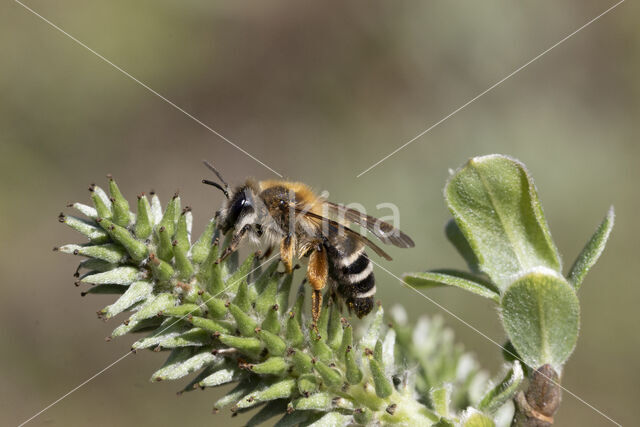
(287, 245)
(235, 242)
(317, 273)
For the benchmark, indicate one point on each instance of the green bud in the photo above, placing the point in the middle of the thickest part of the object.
(120, 205)
(239, 277)
(307, 384)
(298, 306)
(363, 416)
(347, 341)
(111, 253)
(271, 366)
(242, 299)
(294, 334)
(284, 292)
(101, 202)
(441, 399)
(248, 345)
(161, 270)
(320, 349)
(209, 325)
(246, 325)
(354, 374)
(183, 310)
(334, 329)
(384, 388)
(170, 216)
(88, 228)
(231, 397)
(377, 352)
(216, 307)
(136, 249)
(332, 377)
(223, 376)
(144, 223)
(302, 362)
(323, 321)
(201, 248)
(165, 247)
(279, 390)
(184, 266)
(117, 276)
(267, 297)
(271, 321)
(183, 230)
(85, 210)
(273, 342)
(136, 292)
(264, 278)
(316, 402)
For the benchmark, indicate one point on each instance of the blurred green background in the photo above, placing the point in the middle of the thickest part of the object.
(319, 91)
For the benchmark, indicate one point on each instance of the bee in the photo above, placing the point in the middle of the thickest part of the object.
(288, 214)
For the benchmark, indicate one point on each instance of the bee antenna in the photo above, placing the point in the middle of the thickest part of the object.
(214, 170)
(218, 186)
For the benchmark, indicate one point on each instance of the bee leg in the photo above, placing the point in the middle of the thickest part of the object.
(267, 253)
(317, 273)
(287, 246)
(235, 242)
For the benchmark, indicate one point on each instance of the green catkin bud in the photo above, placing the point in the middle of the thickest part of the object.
(109, 252)
(85, 210)
(182, 230)
(315, 402)
(183, 265)
(118, 276)
(384, 388)
(320, 349)
(103, 210)
(143, 224)
(235, 394)
(307, 384)
(331, 377)
(161, 270)
(363, 416)
(97, 264)
(239, 277)
(294, 334)
(209, 325)
(279, 390)
(267, 297)
(283, 293)
(168, 220)
(377, 352)
(299, 304)
(248, 345)
(354, 374)
(271, 322)
(136, 249)
(210, 273)
(272, 342)
(334, 338)
(217, 308)
(120, 205)
(302, 362)
(347, 342)
(165, 247)
(88, 228)
(201, 248)
(271, 366)
(265, 278)
(323, 321)
(183, 310)
(246, 325)
(242, 299)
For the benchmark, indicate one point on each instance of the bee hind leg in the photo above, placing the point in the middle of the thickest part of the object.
(287, 246)
(317, 273)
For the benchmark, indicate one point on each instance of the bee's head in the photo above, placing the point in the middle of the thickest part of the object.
(239, 209)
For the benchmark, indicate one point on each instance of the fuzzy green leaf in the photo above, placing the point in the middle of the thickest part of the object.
(495, 203)
(457, 239)
(436, 279)
(592, 251)
(441, 399)
(540, 312)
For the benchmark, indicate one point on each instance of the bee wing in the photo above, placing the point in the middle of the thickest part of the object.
(384, 231)
(336, 227)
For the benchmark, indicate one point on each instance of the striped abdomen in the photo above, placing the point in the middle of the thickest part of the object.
(353, 272)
